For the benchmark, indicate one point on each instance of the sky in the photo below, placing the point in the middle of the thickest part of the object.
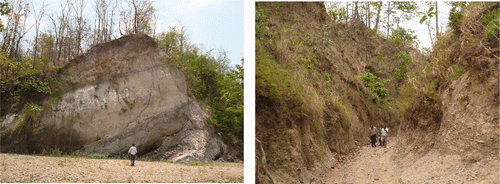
(421, 30)
(210, 24)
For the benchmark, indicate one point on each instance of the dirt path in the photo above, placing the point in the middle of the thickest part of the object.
(28, 169)
(370, 165)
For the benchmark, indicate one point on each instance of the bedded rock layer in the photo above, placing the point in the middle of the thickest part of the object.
(119, 93)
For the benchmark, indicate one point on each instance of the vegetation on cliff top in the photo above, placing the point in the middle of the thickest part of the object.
(211, 82)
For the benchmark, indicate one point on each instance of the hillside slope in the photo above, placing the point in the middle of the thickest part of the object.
(118, 93)
(319, 86)
(452, 127)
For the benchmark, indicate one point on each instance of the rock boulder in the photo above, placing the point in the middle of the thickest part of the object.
(119, 93)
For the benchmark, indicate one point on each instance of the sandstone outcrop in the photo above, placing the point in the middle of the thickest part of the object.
(119, 93)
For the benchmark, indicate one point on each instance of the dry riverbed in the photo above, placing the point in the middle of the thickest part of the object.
(27, 169)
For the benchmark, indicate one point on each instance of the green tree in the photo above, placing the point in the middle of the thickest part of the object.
(406, 11)
(22, 82)
(229, 114)
(139, 18)
(336, 11)
(403, 37)
(456, 16)
(402, 69)
(169, 42)
(376, 86)
(402, 11)
(211, 82)
(4, 9)
(426, 18)
(491, 20)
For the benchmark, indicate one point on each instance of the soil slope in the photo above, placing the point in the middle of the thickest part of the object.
(311, 103)
(453, 125)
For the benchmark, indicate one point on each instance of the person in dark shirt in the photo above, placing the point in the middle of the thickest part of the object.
(373, 135)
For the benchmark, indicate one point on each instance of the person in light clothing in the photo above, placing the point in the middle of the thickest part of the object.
(386, 134)
(383, 135)
(132, 151)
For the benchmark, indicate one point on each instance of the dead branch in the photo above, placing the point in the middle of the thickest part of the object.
(489, 50)
(263, 160)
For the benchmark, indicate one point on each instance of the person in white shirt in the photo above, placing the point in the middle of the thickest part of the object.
(132, 151)
(386, 134)
(383, 135)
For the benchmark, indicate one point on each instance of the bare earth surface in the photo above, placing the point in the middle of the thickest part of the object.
(377, 165)
(26, 169)
(370, 165)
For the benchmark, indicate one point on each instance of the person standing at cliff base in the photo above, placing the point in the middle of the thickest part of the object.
(132, 151)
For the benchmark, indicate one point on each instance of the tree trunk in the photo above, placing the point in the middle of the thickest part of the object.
(136, 30)
(17, 46)
(36, 48)
(379, 7)
(356, 13)
(181, 40)
(437, 26)
(69, 53)
(13, 40)
(6, 37)
(38, 19)
(347, 12)
(111, 21)
(20, 36)
(388, 17)
(368, 22)
(59, 45)
(94, 34)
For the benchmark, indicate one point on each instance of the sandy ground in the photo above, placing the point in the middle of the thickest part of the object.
(27, 169)
(370, 165)
(377, 165)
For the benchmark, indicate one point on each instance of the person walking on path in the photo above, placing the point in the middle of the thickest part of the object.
(386, 138)
(373, 136)
(382, 134)
(132, 151)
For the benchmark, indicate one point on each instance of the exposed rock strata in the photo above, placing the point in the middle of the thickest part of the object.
(120, 93)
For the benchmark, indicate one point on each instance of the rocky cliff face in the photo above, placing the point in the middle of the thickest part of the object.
(120, 93)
